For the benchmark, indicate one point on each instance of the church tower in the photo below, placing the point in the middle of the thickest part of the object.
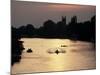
(64, 20)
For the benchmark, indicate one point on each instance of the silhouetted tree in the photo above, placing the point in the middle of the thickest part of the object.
(16, 46)
(30, 30)
(93, 28)
(49, 28)
(61, 29)
(27, 31)
(22, 31)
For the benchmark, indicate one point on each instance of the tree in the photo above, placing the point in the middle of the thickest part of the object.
(30, 30)
(49, 28)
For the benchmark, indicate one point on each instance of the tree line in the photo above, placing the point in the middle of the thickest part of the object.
(79, 31)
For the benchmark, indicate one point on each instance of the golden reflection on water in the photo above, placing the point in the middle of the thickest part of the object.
(79, 55)
(58, 61)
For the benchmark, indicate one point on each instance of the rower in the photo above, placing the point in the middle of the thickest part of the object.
(57, 51)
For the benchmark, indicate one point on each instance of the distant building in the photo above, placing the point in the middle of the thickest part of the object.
(64, 20)
(73, 20)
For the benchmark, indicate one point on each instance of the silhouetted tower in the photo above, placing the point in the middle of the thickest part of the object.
(74, 20)
(64, 20)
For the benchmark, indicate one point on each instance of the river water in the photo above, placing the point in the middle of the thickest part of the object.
(79, 56)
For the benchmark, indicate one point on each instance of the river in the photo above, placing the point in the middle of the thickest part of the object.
(79, 56)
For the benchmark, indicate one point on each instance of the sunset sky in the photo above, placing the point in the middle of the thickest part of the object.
(23, 13)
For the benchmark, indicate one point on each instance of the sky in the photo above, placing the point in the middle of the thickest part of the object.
(36, 13)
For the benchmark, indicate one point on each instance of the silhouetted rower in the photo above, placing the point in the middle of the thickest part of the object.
(29, 50)
(56, 51)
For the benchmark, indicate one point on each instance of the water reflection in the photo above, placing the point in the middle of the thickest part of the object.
(79, 55)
